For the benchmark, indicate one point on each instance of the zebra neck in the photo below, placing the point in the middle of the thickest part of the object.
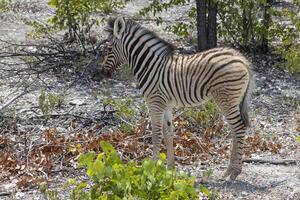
(145, 58)
(148, 71)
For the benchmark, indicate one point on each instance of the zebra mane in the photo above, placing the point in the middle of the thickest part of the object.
(130, 24)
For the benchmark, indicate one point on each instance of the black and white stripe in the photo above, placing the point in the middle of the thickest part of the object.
(168, 79)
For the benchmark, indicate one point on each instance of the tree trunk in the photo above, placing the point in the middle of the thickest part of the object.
(251, 35)
(201, 24)
(212, 24)
(245, 31)
(266, 22)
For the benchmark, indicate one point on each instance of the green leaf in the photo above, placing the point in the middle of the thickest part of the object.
(43, 103)
(53, 3)
(205, 191)
(86, 159)
(106, 147)
(52, 101)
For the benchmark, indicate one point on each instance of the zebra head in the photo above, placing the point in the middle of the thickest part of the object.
(114, 57)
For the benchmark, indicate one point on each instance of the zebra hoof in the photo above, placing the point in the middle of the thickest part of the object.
(232, 172)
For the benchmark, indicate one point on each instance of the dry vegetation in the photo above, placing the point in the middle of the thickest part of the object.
(42, 132)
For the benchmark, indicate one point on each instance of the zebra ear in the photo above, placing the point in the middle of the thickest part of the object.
(119, 27)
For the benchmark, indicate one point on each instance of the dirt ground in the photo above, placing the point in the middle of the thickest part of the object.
(275, 114)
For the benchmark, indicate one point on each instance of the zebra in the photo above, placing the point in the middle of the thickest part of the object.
(170, 80)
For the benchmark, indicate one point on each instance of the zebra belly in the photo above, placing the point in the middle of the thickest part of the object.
(180, 99)
(181, 104)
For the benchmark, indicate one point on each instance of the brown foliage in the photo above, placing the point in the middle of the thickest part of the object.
(57, 150)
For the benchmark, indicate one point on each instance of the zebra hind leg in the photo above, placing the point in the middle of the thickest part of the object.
(238, 126)
(232, 111)
(168, 137)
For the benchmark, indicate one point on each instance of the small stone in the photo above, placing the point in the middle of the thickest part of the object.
(77, 102)
(244, 193)
(296, 194)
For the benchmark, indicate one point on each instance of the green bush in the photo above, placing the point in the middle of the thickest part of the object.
(125, 110)
(203, 115)
(243, 24)
(288, 35)
(47, 193)
(292, 57)
(111, 178)
(181, 29)
(4, 5)
(76, 15)
(48, 102)
(231, 26)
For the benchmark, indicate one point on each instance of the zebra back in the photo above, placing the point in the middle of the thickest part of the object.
(185, 80)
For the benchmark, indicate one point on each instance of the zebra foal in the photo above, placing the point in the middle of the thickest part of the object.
(168, 79)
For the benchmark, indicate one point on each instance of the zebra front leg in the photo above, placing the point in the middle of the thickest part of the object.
(157, 117)
(168, 137)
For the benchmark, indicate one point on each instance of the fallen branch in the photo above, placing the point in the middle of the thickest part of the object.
(66, 115)
(53, 55)
(268, 161)
(13, 99)
(3, 194)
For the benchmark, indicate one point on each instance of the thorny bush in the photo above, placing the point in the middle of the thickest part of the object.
(76, 15)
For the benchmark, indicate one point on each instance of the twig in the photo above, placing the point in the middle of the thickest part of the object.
(199, 143)
(3, 194)
(65, 169)
(66, 115)
(27, 53)
(81, 42)
(141, 19)
(228, 28)
(149, 135)
(107, 111)
(101, 43)
(13, 99)
(273, 162)
(126, 122)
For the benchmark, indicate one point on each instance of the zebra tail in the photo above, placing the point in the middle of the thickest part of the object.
(245, 100)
